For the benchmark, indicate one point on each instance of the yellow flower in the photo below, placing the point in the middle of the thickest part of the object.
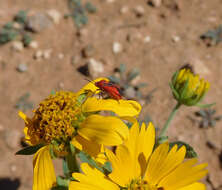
(135, 165)
(75, 118)
(188, 88)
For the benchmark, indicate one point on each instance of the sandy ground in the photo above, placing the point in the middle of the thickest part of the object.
(174, 29)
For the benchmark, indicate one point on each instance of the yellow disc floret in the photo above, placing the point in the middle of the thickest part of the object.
(55, 120)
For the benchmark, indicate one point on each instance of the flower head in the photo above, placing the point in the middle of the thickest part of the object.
(188, 89)
(135, 165)
(66, 118)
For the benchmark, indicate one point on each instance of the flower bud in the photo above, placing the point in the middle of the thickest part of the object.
(188, 88)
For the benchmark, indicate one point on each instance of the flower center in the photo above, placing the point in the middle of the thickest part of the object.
(56, 119)
(142, 185)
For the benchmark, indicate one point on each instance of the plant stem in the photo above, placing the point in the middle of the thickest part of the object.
(171, 116)
(72, 163)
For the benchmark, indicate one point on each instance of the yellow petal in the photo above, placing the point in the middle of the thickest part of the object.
(194, 186)
(25, 130)
(95, 150)
(104, 130)
(91, 86)
(123, 166)
(140, 143)
(44, 175)
(121, 107)
(184, 175)
(92, 179)
(24, 117)
(165, 163)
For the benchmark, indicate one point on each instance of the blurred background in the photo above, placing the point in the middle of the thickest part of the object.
(51, 45)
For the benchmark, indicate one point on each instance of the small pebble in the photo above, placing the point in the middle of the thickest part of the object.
(155, 3)
(38, 54)
(139, 10)
(130, 93)
(117, 47)
(147, 39)
(54, 15)
(17, 46)
(60, 55)
(124, 10)
(13, 168)
(12, 138)
(22, 67)
(33, 44)
(16, 25)
(175, 39)
(95, 67)
(39, 22)
(75, 59)
(88, 51)
(61, 85)
(46, 54)
(110, 1)
(1, 128)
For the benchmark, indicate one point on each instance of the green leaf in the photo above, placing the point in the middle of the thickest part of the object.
(53, 92)
(90, 7)
(107, 167)
(133, 74)
(86, 158)
(114, 79)
(122, 68)
(205, 105)
(29, 150)
(175, 93)
(65, 168)
(190, 153)
(26, 39)
(21, 17)
(81, 98)
(62, 181)
(141, 85)
(59, 188)
(72, 148)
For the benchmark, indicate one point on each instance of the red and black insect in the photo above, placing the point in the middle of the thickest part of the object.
(109, 88)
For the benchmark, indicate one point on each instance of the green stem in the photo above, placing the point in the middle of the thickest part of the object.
(166, 126)
(72, 163)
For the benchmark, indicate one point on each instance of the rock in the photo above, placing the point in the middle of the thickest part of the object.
(175, 39)
(1, 128)
(95, 68)
(22, 67)
(17, 25)
(33, 44)
(130, 92)
(88, 51)
(38, 54)
(17, 46)
(60, 55)
(147, 39)
(12, 138)
(13, 168)
(155, 3)
(46, 54)
(83, 32)
(117, 47)
(139, 10)
(75, 60)
(124, 9)
(39, 22)
(54, 15)
(110, 1)
(61, 85)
